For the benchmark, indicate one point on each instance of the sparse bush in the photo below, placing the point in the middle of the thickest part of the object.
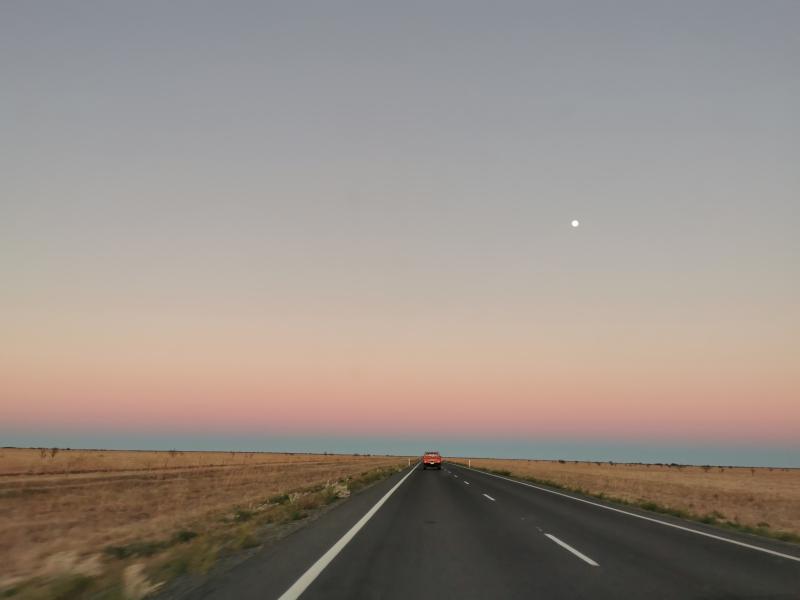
(183, 536)
(67, 587)
(146, 548)
(242, 514)
(278, 499)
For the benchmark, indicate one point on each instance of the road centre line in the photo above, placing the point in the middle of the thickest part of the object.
(489, 497)
(643, 517)
(307, 578)
(566, 546)
(465, 481)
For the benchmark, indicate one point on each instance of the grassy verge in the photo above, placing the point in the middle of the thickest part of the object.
(140, 568)
(713, 518)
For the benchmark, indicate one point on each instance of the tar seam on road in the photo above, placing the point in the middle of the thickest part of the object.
(566, 546)
(651, 519)
(307, 578)
(489, 497)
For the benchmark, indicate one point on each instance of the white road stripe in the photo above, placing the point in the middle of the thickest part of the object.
(307, 578)
(643, 517)
(489, 497)
(465, 481)
(566, 546)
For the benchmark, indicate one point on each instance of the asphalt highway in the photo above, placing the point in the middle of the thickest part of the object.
(459, 533)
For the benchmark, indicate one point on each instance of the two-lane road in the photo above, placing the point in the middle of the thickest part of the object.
(459, 533)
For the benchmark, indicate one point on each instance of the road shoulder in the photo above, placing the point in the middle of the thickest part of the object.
(285, 554)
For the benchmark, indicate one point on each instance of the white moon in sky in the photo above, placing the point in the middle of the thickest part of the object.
(575, 222)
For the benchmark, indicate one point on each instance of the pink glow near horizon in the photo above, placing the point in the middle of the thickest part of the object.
(346, 395)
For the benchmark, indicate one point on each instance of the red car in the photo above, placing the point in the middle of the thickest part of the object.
(432, 459)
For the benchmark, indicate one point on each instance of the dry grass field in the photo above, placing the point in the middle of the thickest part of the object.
(760, 500)
(73, 513)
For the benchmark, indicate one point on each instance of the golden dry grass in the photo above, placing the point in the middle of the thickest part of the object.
(765, 498)
(77, 502)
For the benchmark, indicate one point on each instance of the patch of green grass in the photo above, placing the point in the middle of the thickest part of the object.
(149, 547)
(72, 586)
(368, 477)
(248, 541)
(659, 508)
(145, 548)
(784, 536)
(197, 557)
(65, 587)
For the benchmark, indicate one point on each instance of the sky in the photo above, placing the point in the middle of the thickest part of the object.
(348, 225)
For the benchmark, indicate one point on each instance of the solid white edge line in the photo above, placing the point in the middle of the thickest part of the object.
(566, 546)
(643, 517)
(489, 497)
(307, 578)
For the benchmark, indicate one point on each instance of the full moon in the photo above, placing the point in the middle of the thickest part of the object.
(575, 222)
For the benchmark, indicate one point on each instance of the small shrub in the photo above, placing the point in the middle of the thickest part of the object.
(69, 586)
(242, 514)
(709, 520)
(148, 548)
(183, 536)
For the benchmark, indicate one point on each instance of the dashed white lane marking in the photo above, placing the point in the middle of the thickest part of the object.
(489, 497)
(566, 546)
(643, 517)
(307, 578)
(465, 481)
